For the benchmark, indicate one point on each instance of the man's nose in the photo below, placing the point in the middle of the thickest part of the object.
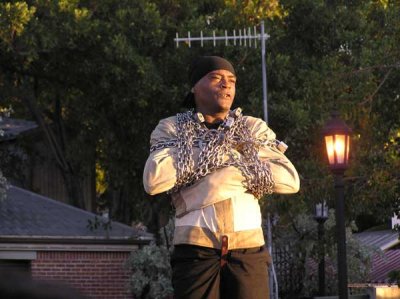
(225, 83)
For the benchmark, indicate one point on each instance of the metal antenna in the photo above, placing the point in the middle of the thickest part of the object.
(246, 39)
(247, 36)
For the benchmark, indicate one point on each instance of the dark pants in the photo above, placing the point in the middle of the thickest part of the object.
(197, 273)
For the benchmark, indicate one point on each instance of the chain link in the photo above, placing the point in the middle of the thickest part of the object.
(216, 151)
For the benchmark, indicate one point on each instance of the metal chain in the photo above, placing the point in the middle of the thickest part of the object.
(216, 151)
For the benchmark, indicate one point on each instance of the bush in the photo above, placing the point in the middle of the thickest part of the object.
(151, 272)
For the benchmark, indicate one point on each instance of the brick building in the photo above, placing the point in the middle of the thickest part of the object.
(57, 242)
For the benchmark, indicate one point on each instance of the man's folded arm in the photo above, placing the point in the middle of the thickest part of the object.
(285, 175)
(159, 172)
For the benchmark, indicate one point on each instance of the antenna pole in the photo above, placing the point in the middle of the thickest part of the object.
(264, 73)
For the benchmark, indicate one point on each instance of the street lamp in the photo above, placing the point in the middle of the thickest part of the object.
(321, 215)
(337, 140)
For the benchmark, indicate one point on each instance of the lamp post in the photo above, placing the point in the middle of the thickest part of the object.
(321, 215)
(337, 139)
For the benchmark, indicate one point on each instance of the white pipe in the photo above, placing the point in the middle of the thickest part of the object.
(249, 35)
(264, 73)
(214, 37)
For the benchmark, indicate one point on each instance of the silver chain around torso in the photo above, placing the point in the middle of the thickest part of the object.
(217, 151)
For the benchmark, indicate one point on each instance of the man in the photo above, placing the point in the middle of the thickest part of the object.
(216, 164)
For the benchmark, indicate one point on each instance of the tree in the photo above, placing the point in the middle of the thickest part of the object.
(300, 238)
(82, 68)
(340, 57)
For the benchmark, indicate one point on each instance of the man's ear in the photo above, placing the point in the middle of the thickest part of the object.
(192, 90)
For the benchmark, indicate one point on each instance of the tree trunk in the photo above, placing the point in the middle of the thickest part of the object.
(73, 181)
(74, 188)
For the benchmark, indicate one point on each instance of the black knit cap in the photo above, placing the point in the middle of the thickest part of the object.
(201, 67)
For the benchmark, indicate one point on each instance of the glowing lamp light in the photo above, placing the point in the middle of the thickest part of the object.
(337, 141)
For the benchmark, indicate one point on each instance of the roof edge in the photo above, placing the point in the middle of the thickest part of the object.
(74, 240)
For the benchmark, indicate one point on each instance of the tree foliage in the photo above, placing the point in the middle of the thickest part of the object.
(342, 57)
(151, 272)
(87, 69)
(300, 237)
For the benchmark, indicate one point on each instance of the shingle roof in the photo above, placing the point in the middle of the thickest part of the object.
(13, 127)
(27, 214)
(382, 265)
(382, 239)
(388, 259)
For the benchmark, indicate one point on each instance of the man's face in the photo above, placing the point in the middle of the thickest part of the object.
(214, 93)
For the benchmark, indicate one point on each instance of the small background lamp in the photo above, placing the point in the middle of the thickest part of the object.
(321, 215)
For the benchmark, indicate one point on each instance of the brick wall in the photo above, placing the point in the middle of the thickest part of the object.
(98, 275)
